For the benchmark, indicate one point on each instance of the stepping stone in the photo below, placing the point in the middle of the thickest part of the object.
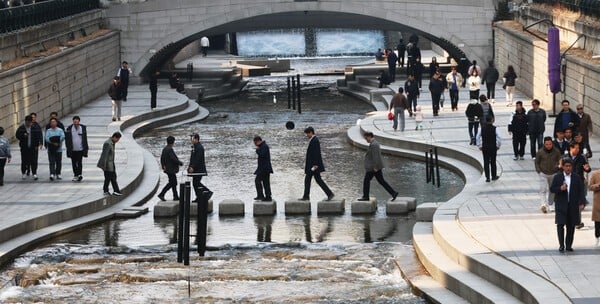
(297, 207)
(336, 206)
(194, 208)
(166, 209)
(412, 202)
(396, 207)
(364, 207)
(231, 207)
(264, 208)
(425, 211)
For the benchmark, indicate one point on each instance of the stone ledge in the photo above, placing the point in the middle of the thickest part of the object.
(231, 207)
(337, 206)
(425, 211)
(297, 207)
(364, 207)
(396, 207)
(264, 208)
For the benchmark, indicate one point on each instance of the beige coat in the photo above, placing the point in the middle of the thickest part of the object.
(595, 186)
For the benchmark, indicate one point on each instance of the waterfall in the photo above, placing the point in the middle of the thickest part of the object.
(348, 41)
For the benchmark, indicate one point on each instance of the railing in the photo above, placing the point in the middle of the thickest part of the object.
(586, 7)
(16, 18)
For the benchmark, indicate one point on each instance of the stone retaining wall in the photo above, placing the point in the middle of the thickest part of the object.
(61, 82)
(529, 56)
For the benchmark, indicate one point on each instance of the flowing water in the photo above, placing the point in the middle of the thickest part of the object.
(309, 259)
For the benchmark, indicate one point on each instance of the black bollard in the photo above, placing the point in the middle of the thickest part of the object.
(431, 168)
(293, 93)
(289, 91)
(437, 167)
(186, 225)
(427, 177)
(298, 87)
(190, 71)
(201, 223)
(180, 223)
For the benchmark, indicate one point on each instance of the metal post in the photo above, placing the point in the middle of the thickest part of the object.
(289, 92)
(293, 93)
(180, 223)
(201, 223)
(186, 225)
(428, 178)
(298, 88)
(431, 168)
(437, 167)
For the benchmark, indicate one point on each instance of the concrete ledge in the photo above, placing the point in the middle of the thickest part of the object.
(264, 208)
(364, 207)
(194, 208)
(412, 202)
(396, 207)
(231, 207)
(297, 207)
(425, 211)
(166, 209)
(337, 206)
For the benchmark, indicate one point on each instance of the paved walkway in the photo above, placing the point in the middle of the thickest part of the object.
(504, 215)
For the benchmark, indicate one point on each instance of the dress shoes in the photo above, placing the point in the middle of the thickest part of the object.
(304, 199)
(570, 249)
(259, 198)
(266, 199)
(394, 196)
(561, 248)
(363, 199)
(330, 196)
(161, 197)
(495, 177)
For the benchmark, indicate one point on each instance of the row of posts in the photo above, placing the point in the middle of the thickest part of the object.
(183, 231)
(293, 91)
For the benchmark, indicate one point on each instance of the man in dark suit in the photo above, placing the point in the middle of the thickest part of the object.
(263, 171)
(170, 164)
(373, 167)
(77, 146)
(314, 166)
(197, 167)
(569, 200)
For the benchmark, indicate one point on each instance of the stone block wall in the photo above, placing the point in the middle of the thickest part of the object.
(187, 52)
(61, 82)
(529, 56)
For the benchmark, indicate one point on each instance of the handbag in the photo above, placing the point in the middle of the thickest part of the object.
(390, 115)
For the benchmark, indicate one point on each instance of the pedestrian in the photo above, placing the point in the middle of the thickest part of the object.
(536, 125)
(418, 72)
(436, 87)
(314, 166)
(454, 81)
(517, 127)
(107, 164)
(547, 160)
(568, 136)
(153, 85)
(474, 67)
(489, 142)
(263, 170)
(384, 78)
(434, 66)
(509, 79)
(489, 77)
(585, 126)
(474, 84)
(560, 143)
(54, 138)
(197, 167)
(5, 155)
(123, 74)
(584, 146)
(379, 55)
(399, 104)
(474, 113)
(401, 50)
(115, 91)
(374, 168)
(487, 110)
(31, 141)
(170, 163)
(412, 91)
(392, 59)
(581, 168)
(570, 200)
(419, 117)
(77, 146)
(59, 124)
(595, 187)
(566, 118)
(204, 44)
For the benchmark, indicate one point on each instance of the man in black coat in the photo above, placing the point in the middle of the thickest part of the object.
(314, 166)
(489, 142)
(77, 146)
(30, 139)
(567, 118)
(170, 163)
(401, 50)
(197, 167)
(569, 200)
(436, 87)
(517, 127)
(153, 85)
(263, 171)
(391, 59)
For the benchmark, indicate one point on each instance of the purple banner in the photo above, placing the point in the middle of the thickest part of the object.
(554, 60)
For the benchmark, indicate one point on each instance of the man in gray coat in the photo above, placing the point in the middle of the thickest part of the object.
(373, 168)
(107, 164)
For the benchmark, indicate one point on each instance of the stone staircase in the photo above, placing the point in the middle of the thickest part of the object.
(211, 83)
(459, 269)
(361, 82)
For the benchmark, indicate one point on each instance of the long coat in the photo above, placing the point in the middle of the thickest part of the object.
(264, 160)
(169, 161)
(373, 158)
(107, 158)
(595, 186)
(313, 156)
(567, 203)
(197, 161)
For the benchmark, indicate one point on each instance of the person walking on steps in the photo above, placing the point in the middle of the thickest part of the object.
(197, 167)
(374, 168)
(263, 171)
(107, 164)
(170, 164)
(314, 166)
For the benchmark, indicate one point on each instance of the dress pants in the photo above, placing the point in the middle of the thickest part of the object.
(198, 186)
(55, 162)
(453, 98)
(29, 160)
(379, 177)
(76, 162)
(172, 184)
(518, 141)
(568, 240)
(435, 103)
(307, 179)
(110, 177)
(536, 142)
(489, 162)
(491, 90)
(412, 102)
(263, 181)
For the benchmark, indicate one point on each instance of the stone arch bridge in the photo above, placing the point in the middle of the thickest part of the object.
(153, 31)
